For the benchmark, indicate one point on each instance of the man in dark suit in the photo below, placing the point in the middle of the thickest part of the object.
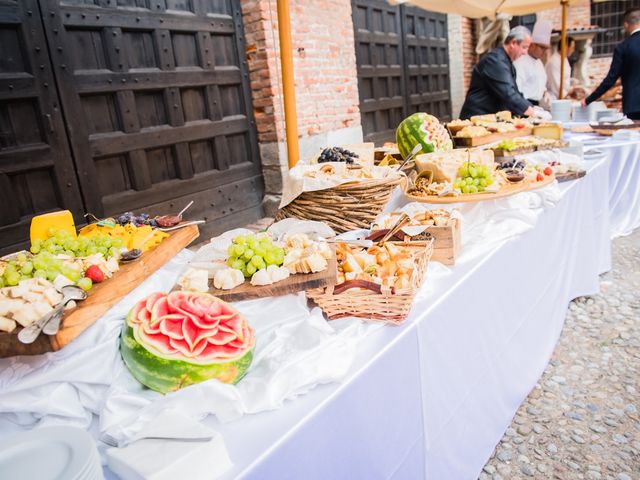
(625, 64)
(493, 81)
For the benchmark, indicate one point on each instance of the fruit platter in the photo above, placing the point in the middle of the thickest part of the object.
(470, 176)
(375, 283)
(102, 261)
(243, 265)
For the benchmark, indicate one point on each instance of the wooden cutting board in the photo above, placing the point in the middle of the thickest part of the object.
(102, 297)
(505, 191)
(494, 137)
(293, 284)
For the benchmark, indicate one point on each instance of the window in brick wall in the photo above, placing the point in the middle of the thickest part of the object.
(608, 15)
(526, 20)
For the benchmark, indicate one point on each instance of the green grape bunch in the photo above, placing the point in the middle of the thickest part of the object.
(473, 178)
(48, 258)
(253, 252)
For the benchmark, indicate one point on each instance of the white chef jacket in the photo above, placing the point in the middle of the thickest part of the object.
(531, 77)
(553, 76)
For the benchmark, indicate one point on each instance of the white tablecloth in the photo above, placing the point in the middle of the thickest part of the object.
(431, 399)
(624, 175)
(428, 399)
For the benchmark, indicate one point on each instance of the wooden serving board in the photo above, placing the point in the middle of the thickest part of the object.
(293, 284)
(494, 137)
(102, 297)
(608, 129)
(505, 191)
(565, 177)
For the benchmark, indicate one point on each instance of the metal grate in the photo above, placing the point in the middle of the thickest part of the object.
(609, 15)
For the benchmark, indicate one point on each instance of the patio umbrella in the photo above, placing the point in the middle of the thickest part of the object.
(490, 8)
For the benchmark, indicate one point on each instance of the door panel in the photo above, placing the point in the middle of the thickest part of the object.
(156, 97)
(36, 170)
(402, 61)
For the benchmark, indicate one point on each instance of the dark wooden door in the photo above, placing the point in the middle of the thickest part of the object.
(402, 60)
(157, 103)
(36, 170)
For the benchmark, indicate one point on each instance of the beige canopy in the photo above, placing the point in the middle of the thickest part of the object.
(483, 8)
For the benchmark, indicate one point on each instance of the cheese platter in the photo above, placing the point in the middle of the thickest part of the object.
(102, 296)
(505, 190)
(289, 257)
(466, 142)
(292, 284)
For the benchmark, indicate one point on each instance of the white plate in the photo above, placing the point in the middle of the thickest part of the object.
(49, 453)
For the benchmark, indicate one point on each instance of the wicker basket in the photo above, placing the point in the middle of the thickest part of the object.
(370, 301)
(349, 206)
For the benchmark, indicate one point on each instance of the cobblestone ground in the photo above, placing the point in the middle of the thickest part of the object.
(582, 419)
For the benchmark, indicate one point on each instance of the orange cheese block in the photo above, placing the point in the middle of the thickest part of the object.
(40, 224)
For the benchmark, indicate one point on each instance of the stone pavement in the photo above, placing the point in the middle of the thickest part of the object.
(582, 419)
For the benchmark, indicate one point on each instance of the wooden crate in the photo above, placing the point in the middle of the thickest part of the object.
(101, 297)
(446, 241)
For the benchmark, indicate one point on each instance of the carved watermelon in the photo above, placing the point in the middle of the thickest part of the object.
(424, 129)
(173, 340)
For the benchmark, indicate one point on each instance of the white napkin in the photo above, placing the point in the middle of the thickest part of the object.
(174, 446)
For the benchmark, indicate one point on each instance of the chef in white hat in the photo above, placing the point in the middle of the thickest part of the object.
(531, 76)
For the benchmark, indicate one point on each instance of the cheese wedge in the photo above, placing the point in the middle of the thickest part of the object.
(548, 130)
(62, 220)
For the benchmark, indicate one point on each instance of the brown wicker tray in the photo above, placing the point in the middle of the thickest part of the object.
(370, 301)
(349, 206)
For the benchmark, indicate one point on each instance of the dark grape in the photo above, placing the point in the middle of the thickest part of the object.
(337, 154)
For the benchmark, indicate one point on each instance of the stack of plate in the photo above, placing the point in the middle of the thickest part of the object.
(608, 115)
(51, 453)
(561, 110)
(581, 114)
(594, 108)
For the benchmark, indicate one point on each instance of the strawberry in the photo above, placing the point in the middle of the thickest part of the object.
(548, 171)
(94, 273)
(539, 177)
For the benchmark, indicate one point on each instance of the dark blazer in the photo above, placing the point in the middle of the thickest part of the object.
(493, 87)
(625, 64)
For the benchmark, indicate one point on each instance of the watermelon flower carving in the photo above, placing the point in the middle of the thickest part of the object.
(173, 340)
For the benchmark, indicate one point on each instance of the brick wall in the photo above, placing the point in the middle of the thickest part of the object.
(469, 40)
(578, 15)
(326, 79)
(324, 64)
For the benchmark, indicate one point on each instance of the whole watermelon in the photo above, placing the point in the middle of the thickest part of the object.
(424, 129)
(173, 340)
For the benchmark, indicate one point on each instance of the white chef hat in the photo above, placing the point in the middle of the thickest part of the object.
(542, 32)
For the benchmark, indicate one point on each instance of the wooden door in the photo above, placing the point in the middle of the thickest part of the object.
(36, 170)
(157, 103)
(426, 65)
(402, 61)
(380, 62)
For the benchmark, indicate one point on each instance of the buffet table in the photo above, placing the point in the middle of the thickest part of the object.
(432, 398)
(429, 399)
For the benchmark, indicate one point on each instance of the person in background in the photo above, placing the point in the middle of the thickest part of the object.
(531, 75)
(493, 81)
(625, 64)
(553, 73)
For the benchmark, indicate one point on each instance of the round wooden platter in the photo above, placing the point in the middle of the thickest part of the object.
(505, 191)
